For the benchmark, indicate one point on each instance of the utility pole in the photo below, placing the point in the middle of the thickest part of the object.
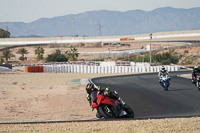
(100, 28)
(150, 35)
(72, 21)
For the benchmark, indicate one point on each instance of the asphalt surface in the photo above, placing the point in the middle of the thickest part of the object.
(143, 93)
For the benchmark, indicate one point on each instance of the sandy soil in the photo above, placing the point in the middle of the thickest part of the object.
(43, 96)
(49, 96)
(31, 57)
(172, 125)
(49, 50)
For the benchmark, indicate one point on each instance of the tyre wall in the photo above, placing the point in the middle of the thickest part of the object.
(104, 69)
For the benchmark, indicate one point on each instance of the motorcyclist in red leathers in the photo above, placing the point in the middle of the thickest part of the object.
(105, 91)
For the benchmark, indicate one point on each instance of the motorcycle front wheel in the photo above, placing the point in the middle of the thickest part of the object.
(106, 111)
(165, 86)
(129, 111)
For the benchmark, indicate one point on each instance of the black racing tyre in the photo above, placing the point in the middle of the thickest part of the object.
(129, 111)
(197, 85)
(106, 111)
(165, 87)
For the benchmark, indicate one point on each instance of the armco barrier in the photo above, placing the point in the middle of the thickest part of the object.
(98, 69)
(5, 69)
(35, 69)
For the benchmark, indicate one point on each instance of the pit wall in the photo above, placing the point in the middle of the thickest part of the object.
(105, 69)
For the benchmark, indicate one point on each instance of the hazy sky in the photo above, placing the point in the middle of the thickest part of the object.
(31, 10)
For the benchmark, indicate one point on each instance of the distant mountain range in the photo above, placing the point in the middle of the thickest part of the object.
(109, 23)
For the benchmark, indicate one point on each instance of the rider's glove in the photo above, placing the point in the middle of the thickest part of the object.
(106, 91)
(88, 97)
(98, 88)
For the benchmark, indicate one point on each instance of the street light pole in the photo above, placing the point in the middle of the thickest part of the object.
(150, 35)
(100, 28)
(72, 21)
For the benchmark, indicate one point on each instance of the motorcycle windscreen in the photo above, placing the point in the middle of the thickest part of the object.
(164, 78)
(94, 94)
(94, 99)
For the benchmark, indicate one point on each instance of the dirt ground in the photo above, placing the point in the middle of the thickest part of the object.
(49, 49)
(44, 96)
(53, 96)
(31, 57)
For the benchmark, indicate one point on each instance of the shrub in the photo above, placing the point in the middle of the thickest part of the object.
(56, 57)
(164, 58)
(186, 51)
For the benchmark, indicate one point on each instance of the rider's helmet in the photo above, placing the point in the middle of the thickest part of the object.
(196, 68)
(163, 69)
(89, 87)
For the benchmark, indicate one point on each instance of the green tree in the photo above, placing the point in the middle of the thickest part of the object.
(4, 33)
(1, 60)
(7, 55)
(72, 54)
(22, 51)
(56, 57)
(39, 51)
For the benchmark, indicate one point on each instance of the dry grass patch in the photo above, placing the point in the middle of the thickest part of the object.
(172, 125)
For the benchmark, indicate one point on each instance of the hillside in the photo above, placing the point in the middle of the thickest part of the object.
(187, 55)
(107, 23)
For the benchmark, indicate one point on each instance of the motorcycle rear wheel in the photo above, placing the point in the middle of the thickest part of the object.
(106, 111)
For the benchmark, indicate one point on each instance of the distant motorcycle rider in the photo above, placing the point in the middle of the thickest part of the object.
(105, 91)
(195, 72)
(162, 72)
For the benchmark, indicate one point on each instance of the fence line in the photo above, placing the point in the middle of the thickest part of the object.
(105, 69)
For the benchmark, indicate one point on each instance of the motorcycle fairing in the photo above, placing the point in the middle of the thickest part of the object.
(105, 100)
(98, 99)
(165, 80)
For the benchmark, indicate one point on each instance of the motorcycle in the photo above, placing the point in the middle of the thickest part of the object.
(165, 82)
(110, 108)
(198, 81)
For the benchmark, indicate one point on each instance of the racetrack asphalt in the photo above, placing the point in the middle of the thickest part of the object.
(144, 94)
